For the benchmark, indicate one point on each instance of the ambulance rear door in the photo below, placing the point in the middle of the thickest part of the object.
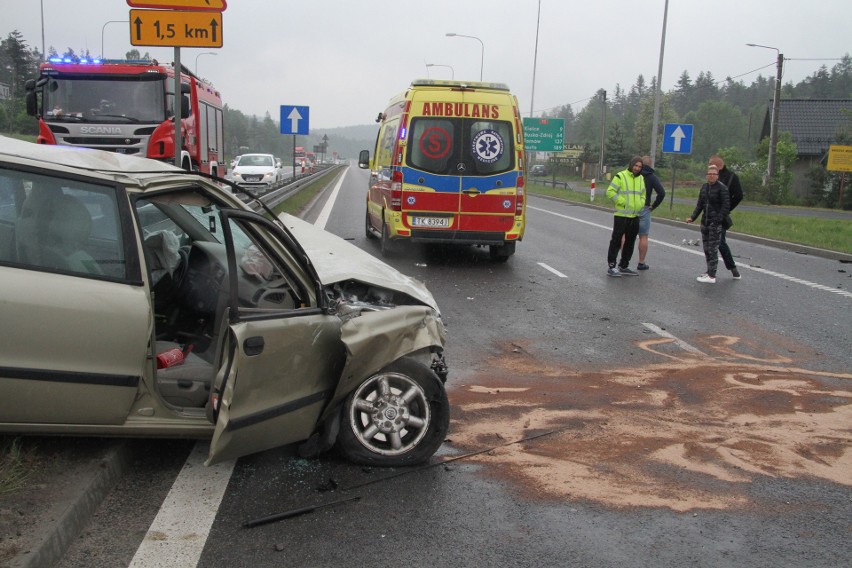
(488, 191)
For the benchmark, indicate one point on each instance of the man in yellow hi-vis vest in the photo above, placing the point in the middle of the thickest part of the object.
(627, 192)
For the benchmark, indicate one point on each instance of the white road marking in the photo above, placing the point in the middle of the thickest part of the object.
(329, 205)
(179, 532)
(700, 253)
(681, 343)
(553, 270)
(177, 536)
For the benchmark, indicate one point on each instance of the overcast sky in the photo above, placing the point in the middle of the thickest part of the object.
(344, 59)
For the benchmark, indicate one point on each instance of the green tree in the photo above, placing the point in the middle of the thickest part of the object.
(18, 63)
(777, 189)
(717, 124)
(644, 124)
(616, 151)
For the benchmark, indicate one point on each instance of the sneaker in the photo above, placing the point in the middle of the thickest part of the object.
(613, 271)
(627, 272)
(735, 273)
(706, 278)
(642, 266)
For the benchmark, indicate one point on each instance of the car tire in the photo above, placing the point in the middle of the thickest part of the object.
(397, 417)
(389, 248)
(368, 228)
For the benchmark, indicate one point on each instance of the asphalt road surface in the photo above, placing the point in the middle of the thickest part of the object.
(645, 421)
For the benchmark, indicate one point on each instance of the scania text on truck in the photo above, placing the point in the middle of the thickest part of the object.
(127, 107)
(448, 167)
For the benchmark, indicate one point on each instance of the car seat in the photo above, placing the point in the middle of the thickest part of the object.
(52, 232)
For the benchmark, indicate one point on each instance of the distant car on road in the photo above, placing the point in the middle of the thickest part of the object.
(539, 170)
(256, 171)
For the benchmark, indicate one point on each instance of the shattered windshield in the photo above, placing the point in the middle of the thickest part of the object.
(128, 99)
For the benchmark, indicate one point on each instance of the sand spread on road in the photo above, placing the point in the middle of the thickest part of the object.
(690, 432)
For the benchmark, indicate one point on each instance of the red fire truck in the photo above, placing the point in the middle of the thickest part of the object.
(128, 107)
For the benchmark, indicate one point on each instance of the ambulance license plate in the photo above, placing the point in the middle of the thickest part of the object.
(430, 221)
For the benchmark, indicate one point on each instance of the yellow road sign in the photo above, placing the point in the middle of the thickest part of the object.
(839, 158)
(175, 29)
(201, 5)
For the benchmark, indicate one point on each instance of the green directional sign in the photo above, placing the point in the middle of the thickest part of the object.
(544, 134)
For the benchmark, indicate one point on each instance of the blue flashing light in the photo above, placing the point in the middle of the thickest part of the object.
(68, 60)
(402, 133)
(55, 60)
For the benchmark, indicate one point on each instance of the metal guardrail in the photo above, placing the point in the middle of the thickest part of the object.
(283, 192)
(553, 183)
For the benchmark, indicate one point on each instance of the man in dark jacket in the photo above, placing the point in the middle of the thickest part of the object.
(735, 190)
(714, 204)
(652, 184)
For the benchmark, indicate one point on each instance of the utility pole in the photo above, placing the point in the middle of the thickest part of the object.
(773, 127)
(658, 91)
(603, 132)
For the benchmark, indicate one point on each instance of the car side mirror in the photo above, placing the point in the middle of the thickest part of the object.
(364, 159)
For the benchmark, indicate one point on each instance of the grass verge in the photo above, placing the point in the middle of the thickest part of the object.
(16, 464)
(295, 203)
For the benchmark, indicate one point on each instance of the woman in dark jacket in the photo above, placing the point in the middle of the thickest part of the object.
(714, 202)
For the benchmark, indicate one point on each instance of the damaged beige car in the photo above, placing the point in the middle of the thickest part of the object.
(140, 300)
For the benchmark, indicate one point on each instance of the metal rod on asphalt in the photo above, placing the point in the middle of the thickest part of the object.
(293, 513)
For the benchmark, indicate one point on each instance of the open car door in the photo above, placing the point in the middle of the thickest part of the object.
(284, 352)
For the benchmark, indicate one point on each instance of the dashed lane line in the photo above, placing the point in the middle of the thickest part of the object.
(551, 269)
(680, 343)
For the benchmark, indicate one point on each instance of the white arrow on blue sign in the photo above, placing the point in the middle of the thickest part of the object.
(295, 119)
(677, 139)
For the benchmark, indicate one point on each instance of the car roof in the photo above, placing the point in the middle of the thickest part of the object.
(86, 161)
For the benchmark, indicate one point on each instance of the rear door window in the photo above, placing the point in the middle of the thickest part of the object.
(456, 146)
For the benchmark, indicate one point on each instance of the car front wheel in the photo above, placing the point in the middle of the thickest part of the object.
(397, 417)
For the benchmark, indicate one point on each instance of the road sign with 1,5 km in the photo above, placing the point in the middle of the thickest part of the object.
(295, 119)
(544, 134)
(170, 28)
(200, 5)
(677, 139)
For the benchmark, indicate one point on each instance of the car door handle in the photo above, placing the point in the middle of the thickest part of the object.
(253, 346)
(471, 191)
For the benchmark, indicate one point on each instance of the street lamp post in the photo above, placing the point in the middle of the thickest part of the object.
(102, 32)
(450, 67)
(776, 104)
(482, 45)
(199, 55)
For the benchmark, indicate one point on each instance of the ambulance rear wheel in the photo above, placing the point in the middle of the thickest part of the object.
(368, 228)
(501, 253)
(389, 248)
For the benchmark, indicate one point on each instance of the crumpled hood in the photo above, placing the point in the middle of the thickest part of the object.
(337, 260)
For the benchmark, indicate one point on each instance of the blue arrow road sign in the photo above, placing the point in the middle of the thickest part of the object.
(677, 139)
(295, 119)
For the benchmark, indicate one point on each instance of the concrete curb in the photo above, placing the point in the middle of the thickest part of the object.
(52, 546)
(801, 249)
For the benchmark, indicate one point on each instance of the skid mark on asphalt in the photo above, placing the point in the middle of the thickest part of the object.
(690, 432)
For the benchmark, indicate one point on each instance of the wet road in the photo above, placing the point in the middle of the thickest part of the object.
(647, 421)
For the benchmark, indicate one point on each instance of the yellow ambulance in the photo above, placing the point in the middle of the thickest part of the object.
(448, 167)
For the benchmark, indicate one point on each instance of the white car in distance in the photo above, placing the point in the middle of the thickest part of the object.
(257, 171)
